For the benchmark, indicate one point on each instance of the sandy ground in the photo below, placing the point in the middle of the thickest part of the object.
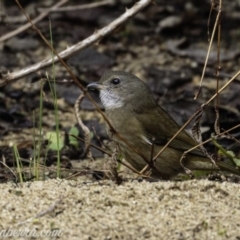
(196, 209)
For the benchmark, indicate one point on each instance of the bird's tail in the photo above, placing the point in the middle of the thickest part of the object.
(218, 166)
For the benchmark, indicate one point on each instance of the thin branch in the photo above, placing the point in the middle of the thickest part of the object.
(217, 123)
(86, 131)
(195, 114)
(34, 21)
(208, 53)
(80, 7)
(210, 139)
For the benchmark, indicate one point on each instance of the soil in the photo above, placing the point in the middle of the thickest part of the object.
(196, 209)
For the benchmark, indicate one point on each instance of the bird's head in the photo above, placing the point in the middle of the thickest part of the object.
(119, 89)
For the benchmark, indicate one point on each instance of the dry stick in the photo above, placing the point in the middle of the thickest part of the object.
(110, 167)
(109, 154)
(91, 145)
(87, 137)
(151, 163)
(202, 143)
(41, 166)
(85, 129)
(196, 128)
(228, 136)
(34, 21)
(196, 131)
(97, 136)
(194, 115)
(198, 136)
(9, 169)
(217, 124)
(83, 6)
(208, 53)
(208, 23)
(97, 36)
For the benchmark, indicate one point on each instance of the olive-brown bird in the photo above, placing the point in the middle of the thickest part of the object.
(146, 128)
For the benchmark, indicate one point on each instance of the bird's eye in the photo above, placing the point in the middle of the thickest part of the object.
(115, 81)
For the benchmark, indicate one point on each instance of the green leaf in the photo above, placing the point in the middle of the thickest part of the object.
(56, 141)
(72, 140)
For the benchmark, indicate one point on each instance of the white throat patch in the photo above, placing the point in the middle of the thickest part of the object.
(109, 100)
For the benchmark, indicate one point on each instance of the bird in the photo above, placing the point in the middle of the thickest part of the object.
(140, 128)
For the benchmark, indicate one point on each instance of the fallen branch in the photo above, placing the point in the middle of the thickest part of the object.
(86, 131)
(28, 25)
(96, 37)
(79, 7)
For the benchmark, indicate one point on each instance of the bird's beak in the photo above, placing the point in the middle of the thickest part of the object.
(95, 86)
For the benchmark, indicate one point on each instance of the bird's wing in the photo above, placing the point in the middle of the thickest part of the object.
(160, 127)
(163, 130)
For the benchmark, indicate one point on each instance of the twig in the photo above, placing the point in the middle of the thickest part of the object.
(3, 162)
(86, 131)
(147, 169)
(197, 134)
(208, 53)
(208, 140)
(91, 145)
(195, 114)
(83, 6)
(187, 170)
(217, 123)
(111, 166)
(109, 154)
(28, 25)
